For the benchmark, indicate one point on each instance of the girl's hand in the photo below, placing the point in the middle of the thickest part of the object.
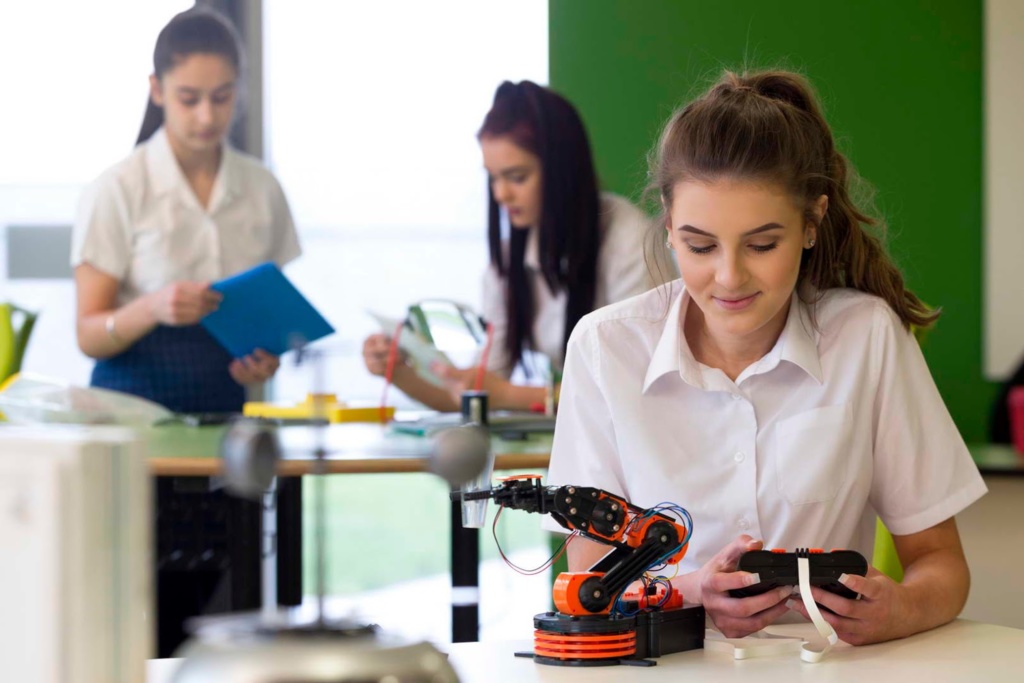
(738, 617)
(184, 303)
(871, 619)
(458, 380)
(375, 353)
(255, 368)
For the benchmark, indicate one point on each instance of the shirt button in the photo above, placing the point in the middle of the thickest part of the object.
(736, 397)
(739, 457)
(743, 523)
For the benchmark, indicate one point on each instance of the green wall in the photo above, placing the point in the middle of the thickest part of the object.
(901, 84)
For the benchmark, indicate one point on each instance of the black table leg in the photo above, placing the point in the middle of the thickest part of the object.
(289, 541)
(465, 579)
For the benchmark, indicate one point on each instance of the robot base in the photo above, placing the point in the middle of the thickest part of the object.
(563, 640)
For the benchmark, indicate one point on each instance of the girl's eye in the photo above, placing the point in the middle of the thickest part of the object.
(764, 248)
(189, 102)
(700, 250)
(517, 179)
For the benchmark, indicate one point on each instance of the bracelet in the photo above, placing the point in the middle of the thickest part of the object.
(111, 331)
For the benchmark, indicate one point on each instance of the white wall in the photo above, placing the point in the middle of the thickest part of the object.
(1004, 186)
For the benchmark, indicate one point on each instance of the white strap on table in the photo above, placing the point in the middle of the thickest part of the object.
(825, 629)
(763, 644)
(759, 644)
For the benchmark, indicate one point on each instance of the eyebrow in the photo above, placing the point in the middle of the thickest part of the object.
(186, 90)
(510, 171)
(764, 228)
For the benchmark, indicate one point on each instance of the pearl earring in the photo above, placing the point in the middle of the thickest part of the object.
(810, 243)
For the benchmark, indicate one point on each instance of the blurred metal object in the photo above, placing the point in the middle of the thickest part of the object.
(269, 646)
(250, 452)
(337, 654)
(460, 454)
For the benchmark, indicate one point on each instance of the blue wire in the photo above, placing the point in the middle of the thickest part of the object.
(683, 515)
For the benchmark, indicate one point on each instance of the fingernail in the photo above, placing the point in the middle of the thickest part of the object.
(753, 578)
(843, 578)
(791, 604)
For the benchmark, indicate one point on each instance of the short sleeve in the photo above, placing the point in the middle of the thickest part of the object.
(923, 472)
(494, 311)
(584, 451)
(101, 235)
(286, 246)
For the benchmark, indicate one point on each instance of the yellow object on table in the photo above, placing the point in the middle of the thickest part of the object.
(318, 406)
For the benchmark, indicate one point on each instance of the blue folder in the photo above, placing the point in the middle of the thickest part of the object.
(262, 309)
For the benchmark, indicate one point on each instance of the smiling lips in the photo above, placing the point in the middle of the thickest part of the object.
(736, 304)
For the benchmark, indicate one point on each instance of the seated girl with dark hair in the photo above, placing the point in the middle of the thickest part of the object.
(571, 249)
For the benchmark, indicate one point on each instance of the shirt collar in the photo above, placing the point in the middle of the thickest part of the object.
(165, 174)
(798, 344)
(799, 340)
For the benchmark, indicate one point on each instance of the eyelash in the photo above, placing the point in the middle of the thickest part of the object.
(760, 249)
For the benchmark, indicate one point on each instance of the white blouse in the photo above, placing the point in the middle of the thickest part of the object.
(839, 423)
(141, 223)
(622, 272)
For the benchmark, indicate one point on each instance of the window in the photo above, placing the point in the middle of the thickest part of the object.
(71, 112)
(371, 112)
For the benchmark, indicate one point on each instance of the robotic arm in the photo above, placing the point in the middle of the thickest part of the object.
(640, 538)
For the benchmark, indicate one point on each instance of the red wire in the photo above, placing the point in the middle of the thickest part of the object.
(536, 570)
(482, 367)
(389, 373)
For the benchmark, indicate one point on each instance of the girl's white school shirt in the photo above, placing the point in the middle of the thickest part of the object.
(629, 261)
(839, 423)
(141, 223)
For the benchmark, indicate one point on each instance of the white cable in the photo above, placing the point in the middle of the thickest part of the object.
(760, 644)
(825, 629)
(763, 644)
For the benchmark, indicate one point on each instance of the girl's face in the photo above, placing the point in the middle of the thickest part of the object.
(515, 176)
(738, 245)
(198, 98)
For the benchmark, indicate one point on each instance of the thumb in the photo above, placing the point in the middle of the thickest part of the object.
(729, 558)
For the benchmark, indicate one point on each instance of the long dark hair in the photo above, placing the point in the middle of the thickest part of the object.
(547, 125)
(768, 126)
(194, 31)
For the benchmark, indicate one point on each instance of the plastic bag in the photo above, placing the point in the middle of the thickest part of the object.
(33, 399)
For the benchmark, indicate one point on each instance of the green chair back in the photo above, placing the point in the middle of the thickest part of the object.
(885, 559)
(16, 326)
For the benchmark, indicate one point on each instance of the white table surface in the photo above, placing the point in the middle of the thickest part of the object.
(960, 651)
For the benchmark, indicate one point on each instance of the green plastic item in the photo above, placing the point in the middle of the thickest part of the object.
(885, 559)
(16, 325)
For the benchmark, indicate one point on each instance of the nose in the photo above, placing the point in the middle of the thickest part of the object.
(204, 111)
(732, 272)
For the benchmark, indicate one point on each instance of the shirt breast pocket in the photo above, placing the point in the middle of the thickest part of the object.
(812, 460)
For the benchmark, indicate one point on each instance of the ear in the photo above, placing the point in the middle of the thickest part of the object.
(156, 93)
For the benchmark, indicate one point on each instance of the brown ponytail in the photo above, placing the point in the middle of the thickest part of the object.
(768, 126)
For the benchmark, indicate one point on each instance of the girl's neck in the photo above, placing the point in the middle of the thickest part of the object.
(730, 354)
(196, 164)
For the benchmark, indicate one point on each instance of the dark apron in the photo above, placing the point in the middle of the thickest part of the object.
(181, 368)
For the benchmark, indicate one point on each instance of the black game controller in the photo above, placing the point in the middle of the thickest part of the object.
(777, 568)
